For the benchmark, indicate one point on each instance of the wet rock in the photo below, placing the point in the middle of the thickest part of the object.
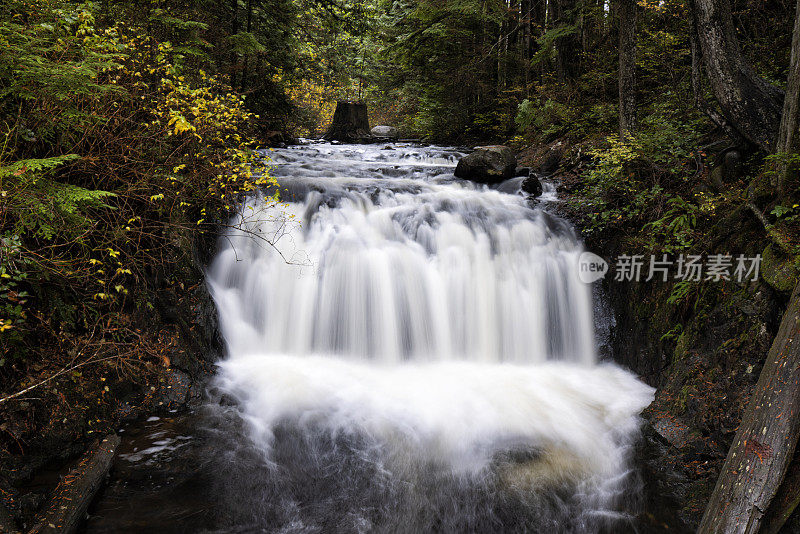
(388, 132)
(522, 171)
(488, 165)
(532, 185)
(671, 429)
(174, 392)
(665, 485)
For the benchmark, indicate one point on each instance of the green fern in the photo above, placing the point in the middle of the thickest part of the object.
(31, 168)
(44, 206)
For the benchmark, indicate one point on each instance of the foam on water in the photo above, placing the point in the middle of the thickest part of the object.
(458, 414)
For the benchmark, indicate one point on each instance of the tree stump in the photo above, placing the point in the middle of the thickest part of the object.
(350, 123)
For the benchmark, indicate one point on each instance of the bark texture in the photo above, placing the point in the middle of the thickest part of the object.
(627, 66)
(76, 491)
(788, 135)
(785, 501)
(749, 104)
(350, 122)
(765, 442)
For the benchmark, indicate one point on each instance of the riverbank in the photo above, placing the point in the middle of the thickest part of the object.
(63, 410)
(702, 344)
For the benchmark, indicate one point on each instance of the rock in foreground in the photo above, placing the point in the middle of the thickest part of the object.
(488, 165)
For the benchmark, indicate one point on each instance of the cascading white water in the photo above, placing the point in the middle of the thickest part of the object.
(439, 326)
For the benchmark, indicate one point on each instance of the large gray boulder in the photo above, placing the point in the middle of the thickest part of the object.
(488, 165)
(389, 132)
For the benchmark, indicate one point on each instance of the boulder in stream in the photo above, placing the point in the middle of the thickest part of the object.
(384, 132)
(522, 171)
(532, 185)
(488, 165)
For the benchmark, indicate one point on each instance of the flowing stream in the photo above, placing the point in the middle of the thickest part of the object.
(420, 347)
(409, 352)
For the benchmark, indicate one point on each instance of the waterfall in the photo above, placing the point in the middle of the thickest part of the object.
(405, 346)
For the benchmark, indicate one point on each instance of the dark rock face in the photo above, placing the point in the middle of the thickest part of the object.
(532, 185)
(488, 165)
(703, 354)
(551, 160)
(385, 132)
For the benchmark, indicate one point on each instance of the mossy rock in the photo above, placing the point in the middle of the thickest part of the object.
(761, 190)
(778, 270)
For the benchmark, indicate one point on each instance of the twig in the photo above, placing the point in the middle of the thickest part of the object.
(773, 235)
(59, 373)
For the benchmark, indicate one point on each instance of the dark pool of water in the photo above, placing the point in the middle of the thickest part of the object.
(185, 473)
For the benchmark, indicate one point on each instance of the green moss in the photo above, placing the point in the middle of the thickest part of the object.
(681, 345)
(778, 270)
(683, 399)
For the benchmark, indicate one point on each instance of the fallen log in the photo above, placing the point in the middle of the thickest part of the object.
(786, 499)
(765, 442)
(74, 494)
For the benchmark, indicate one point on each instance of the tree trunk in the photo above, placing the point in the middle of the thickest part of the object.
(539, 21)
(350, 122)
(697, 84)
(749, 104)
(627, 67)
(525, 47)
(786, 499)
(249, 26)
(234, 31)
(788, 135)
(568, 46)
(765, 441)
